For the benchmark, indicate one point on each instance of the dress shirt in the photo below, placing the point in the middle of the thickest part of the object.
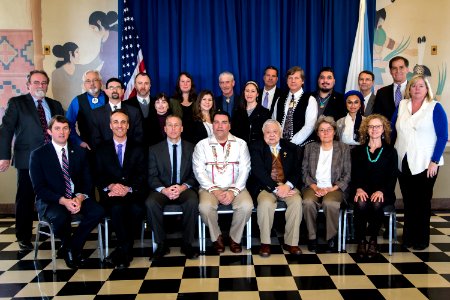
(58, 150)
(48, 114)
(118, 106)
(366, 99)
(271, 95)
(124, 146)
(141, 100)
(179, 150)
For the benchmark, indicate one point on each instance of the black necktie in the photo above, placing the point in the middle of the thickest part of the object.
(174, 165)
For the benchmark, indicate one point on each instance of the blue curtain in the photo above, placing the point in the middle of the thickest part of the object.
(207, 37)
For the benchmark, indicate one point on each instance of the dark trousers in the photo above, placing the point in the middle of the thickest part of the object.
(61, 218)
(417, 191)
(155, 207)
(368, 212)
(126, 219)
(25, 198)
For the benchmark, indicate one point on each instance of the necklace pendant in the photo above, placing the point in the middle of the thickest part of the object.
(95, 100)
(322, 106)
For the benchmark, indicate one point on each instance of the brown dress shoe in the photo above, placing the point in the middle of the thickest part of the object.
(372, 250)
(361, 250)
(295, 250)
(218, 245)
(235, 247)
(264, 251)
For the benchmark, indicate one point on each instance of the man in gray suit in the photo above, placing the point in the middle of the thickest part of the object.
(172, 180)
(26, 118)
(365, 83)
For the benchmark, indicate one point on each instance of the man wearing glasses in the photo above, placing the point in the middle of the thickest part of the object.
(26, 118)
(81, 107)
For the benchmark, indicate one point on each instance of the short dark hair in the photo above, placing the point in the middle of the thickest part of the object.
(368, 73)
(59, 119)
(398, 58)
(122, 111)
(114, 79)
(37, 72)
(222, 113)
(325, 69)
(271, 68)
(142, 74)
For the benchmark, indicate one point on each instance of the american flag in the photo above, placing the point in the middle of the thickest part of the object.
(131, 59)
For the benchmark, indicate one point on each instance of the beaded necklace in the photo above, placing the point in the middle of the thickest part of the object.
(378, 156)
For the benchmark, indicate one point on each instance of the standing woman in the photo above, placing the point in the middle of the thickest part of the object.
(203, 112)
(161, 106)
(250, 116)
(374, 175)
(422, 133)
(348, 126)
(184, 96)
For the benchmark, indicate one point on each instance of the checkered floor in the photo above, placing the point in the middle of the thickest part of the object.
(404, 275)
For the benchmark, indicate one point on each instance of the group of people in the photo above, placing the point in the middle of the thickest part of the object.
(310, 150)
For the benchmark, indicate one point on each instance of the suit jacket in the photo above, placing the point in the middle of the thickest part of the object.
(101, 130)
(47, 175)
(336, 106)
(160, 166)
(249, 128)
(194, 132)
(276, 97)
(22, 120)
(148, 124)
(340, 164)
(384, 102)
(369, 105)
(132, 173)
(261, 162)
(219, 102)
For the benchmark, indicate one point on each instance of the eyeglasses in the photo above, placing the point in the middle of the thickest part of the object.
(326, 130)
(114, 88)
(372, 127)
(43, 83)
(91, 81)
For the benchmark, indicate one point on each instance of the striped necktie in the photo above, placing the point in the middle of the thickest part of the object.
(65, 169)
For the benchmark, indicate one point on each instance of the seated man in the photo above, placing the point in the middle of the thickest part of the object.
(275, 170)
(221, 165)
(61, 180)
(172, 179)
(121, 181)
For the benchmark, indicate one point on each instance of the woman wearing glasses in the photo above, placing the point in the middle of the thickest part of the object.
(326, 172)
(374, 175)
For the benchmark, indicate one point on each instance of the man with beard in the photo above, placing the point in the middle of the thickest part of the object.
(101, 130)
(81, 107)
(26, 118)
(145, 104)
(329, 102)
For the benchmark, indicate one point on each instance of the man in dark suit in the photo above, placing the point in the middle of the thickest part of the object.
(121, 180)
(275, 170)
(26, 118)
(228, 101)
(271, 93)
(366, 80)
(145, 104)
(389, 97)
(172, 180)
(329, 102)
(61, 179)
(101, 130)
(296, 111)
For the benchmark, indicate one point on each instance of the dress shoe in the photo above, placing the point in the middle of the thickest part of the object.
(189, 251)
(122, 262)
(332, 244)
(161, 251)
(312, 245)
(264, 251)
(218, 245)
(361, 250)
(420, 247)
(295, 250)
(372, 249)
(70, 260)
(61, 252)
(25, 245)
(235, 247)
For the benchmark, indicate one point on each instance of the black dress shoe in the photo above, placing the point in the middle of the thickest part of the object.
(420, 247)
(332, 244)
(312, 245)
(161, 251)
(25, 245)
(189, 251)
(122, 262)
(70, 260)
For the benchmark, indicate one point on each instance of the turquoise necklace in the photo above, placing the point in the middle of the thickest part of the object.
(378, 156)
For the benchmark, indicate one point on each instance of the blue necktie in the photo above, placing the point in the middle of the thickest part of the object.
(266, 100)
(119, 153)
(398, 95)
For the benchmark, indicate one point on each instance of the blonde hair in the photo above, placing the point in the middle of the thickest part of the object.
(413, 80)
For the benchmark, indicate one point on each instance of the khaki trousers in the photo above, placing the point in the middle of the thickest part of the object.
(331, 204)
(242, 210)
(267, 202)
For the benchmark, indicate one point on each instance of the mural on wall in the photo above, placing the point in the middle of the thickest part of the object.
(16, 61)
(412, 47)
